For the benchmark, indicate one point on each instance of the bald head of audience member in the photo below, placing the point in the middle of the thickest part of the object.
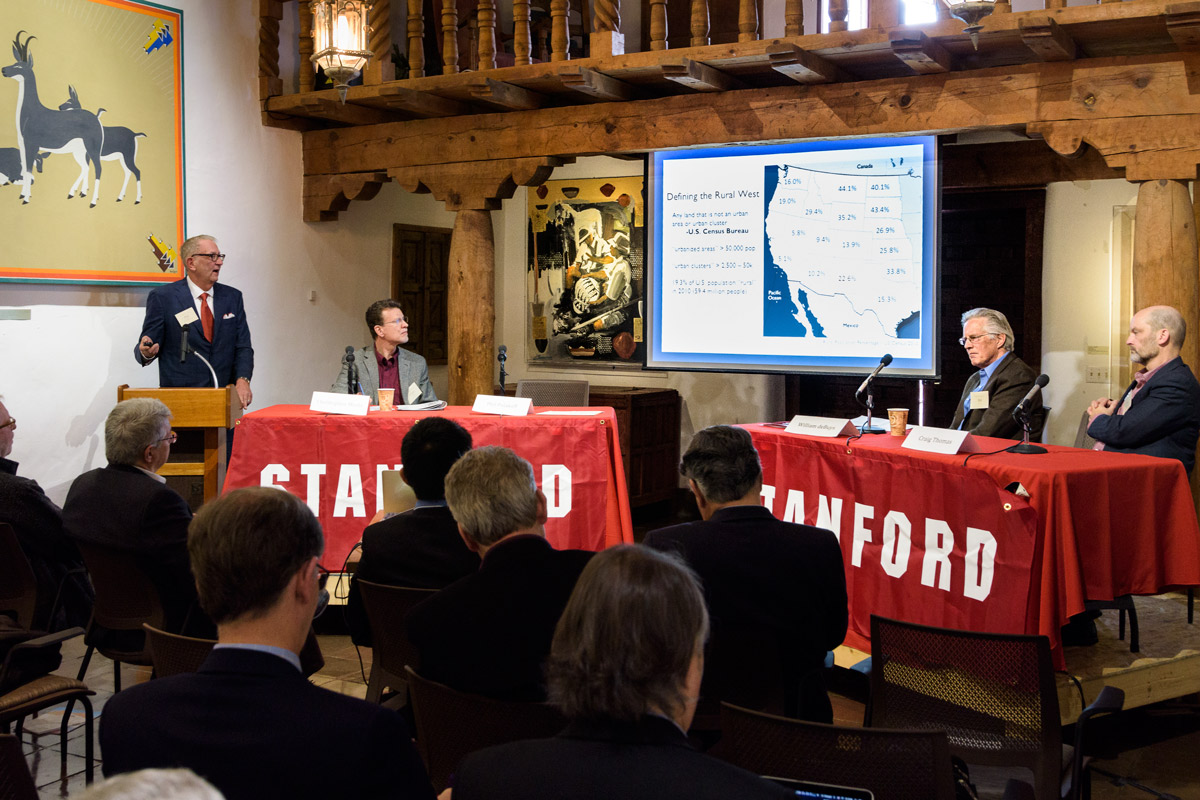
(722, 469)
(631, 639)
(255, 555)
(428, 451)
(493, 496)
(137, 433)
(1156, 335)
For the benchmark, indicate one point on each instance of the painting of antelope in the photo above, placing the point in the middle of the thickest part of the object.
(93, 91)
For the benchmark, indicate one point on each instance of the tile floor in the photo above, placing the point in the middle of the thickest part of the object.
(1155, 747)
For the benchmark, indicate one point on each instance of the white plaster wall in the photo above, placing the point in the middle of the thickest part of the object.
(1077, 281)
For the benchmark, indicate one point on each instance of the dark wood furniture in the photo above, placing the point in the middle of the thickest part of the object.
(648, 430)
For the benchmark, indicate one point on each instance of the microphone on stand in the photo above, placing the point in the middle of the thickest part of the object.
(502, 356)
(351, 370)
(1023, 415)
(883, 362)
(183, 346)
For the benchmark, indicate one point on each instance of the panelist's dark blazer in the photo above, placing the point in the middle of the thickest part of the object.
(420, 547)
(123, 508)
(1008, 385)
(1163, 419)
(230, 351)
(490, 632)
(763, 575)
(647, 760)
(253, 726)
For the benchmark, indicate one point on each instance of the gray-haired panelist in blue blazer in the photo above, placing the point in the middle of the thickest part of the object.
(212, 317)
(383, 363)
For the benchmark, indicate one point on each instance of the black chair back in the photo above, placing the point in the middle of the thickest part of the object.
(391, 651)
(18, 586)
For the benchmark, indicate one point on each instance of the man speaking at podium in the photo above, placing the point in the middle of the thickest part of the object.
(209, 318)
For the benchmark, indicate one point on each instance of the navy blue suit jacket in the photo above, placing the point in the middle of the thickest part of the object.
(254, 727)
(230, 351)
(647, 760)
(1163, 419)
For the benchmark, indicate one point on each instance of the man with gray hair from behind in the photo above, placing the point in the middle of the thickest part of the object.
(1002, 379)
(489, 633)
(127, 506)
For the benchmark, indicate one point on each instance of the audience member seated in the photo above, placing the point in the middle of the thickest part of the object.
(248, 721)
(783, 580)
(489, 633)
(128, 506)
(39, 528)
(153, 784)
(625, 669)
(419, 547)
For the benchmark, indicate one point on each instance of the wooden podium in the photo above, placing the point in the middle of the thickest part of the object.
(212, 411)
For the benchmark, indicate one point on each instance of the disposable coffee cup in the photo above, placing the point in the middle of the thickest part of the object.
(898, 420)
(385, 399)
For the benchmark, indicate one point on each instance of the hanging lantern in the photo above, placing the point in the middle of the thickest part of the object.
(339, 33)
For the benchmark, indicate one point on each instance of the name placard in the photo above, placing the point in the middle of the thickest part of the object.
(337, 403)
(820, 426)
(507, 406)
(940, 440)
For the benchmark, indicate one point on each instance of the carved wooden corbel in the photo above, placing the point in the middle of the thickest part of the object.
(327, 195)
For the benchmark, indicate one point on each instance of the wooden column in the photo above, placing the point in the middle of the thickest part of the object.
(472, 306)
(793, 18)
(607, 39)
(838, 10)
(699, 20)
(560, 37)
(747, 21)
(308, 70)
(487, 34)
(522, 41)
(884, 13)
(449, 37)
(1166, 263)
(658, 24)
(380, 68)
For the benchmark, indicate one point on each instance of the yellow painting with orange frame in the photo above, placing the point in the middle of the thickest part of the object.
(91, 142)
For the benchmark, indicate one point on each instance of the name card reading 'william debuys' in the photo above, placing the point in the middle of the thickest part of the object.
(940, 440)
(338, 403)
(820, 426)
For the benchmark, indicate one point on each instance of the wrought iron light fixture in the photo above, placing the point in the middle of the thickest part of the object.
(971, 12)
(339, 34)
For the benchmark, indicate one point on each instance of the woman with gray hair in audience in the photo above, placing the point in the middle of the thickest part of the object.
(625, 669)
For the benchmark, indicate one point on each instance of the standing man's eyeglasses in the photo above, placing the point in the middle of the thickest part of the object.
(12, 423)
(213, 256)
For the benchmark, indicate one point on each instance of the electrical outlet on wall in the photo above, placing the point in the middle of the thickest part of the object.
(1097, 374)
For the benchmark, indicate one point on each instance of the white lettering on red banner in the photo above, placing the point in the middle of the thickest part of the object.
(895, 542)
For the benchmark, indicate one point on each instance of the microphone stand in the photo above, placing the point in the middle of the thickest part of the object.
(186, 349)
(351, 373)
(868, 427)
(1025, 417)
(502, 357)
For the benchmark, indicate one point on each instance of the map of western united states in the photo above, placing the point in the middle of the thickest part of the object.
(840, 261)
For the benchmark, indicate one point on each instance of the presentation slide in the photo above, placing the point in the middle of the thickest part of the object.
(814, 256)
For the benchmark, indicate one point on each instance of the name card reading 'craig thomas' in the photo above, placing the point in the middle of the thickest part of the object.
(940, 440)
(820, 426)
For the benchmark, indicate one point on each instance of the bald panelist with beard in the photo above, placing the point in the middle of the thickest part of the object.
(1159, 414)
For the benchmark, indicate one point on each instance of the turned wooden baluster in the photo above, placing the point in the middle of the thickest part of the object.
(308, 70)
(606, 39)
(269, 83)
(522, 43)
(560, 39)
(837, 15)
(699, 23)
(658, 24)
(747, 21)
(487, 34)
(449, 37)
(416, 40)
(793, 18)
(380, 68)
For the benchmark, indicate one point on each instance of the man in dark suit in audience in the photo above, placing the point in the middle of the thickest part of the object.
(248, 721)
(420, 547)
(490, 632)
(1159, 414)
(37, 523)
(764, 580)
(128, 506)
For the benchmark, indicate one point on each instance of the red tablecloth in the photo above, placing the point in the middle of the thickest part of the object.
(1095, 525)
(333, 462)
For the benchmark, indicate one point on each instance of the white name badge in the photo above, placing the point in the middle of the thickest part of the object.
(979, 400)
(940, 440)
(413, 394)
(186, 317)
(820, 426)
(507, 406)
(338, 403)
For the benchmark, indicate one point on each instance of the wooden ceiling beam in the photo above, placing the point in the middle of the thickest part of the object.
(1183, 23)
(922, 54)
(504, 95)
(596, 84)
(330, 108)
(419, 104)
(1048, 40)
(699, 76)
(803, 66)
